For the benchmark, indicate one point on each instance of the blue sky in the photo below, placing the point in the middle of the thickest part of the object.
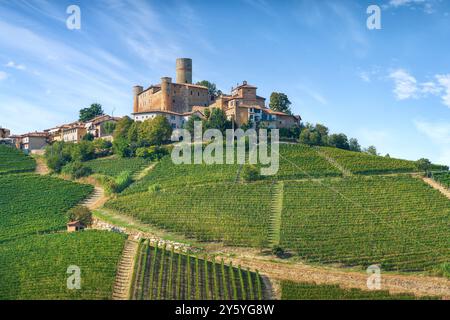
(388, 87)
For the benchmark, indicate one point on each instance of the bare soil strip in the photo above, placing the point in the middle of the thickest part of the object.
(41, 166)
(436, 185)
(418, 285)
(122, 285)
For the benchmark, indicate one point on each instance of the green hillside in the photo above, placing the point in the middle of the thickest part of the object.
(363, 163)
(237, 214)
(113, 166)
(398, 222)
(310, 291)
(31, 204)
(442, 177)
(164, 275)
(35, 267)
(13, 160)
(35, 250)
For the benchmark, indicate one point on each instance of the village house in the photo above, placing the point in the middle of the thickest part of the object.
(75, 226)
(75, 131)
(33, 142)
(96, 126)
(179, 100)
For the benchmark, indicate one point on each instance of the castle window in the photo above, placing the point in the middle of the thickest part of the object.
(173, 100)
(198, 94)
(192, 93)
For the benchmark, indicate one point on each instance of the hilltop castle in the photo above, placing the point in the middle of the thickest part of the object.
(180, 100)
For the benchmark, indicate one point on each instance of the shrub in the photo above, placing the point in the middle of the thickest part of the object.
(80, 213)
(152, 153)
(250, 173)
(116, 185)
(76, 170)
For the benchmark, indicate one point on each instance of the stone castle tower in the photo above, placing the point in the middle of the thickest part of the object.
(180, 96)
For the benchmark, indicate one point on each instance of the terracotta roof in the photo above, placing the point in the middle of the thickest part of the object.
(74, 223)
(35, 134)
(245, 85)
(158, 111)
(103, 118)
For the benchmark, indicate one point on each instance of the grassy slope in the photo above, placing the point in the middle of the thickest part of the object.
(362, 163)
(31, 204)
(35, 267)
(13, 160)
(234, 213)
(113, 166)
(398, 222)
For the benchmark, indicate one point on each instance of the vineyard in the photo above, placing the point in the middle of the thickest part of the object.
(237, 214)
(113, 166)
(362, 163)
(168, 174)
(442, 177)
(310, 291)
(398, 222)
(35, 267)
(300, 161)
(162, 274)
(31, 204)
(15, 161)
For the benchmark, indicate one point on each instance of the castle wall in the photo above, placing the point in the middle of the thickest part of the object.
(173, 97)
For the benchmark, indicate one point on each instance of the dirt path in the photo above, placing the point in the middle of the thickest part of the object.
(122, 285)
(41, 166)
(436, 185)
(96, 200)
(141, 174)
(277, 271)
(298, 272)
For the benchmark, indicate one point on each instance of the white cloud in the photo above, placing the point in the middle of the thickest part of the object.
(14, 65)
(3, 75)
(430, 87)
(444, 81)
(405, 84)
(399, 3)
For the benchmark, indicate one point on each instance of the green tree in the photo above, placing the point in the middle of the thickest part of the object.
(133, 132)
(354, 145)
(323, 133)
(108, 127)
(122, 127)
(371, 150)
(280, 102)
(80, 213)
(217, 120)
(189, 125)
(90, 113)
(88, 137)
(122, 148)
(424, 165)
(339, 141)
(212, 88)
(154, 131)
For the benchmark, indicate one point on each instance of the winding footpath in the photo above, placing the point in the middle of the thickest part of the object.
(279, 270)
